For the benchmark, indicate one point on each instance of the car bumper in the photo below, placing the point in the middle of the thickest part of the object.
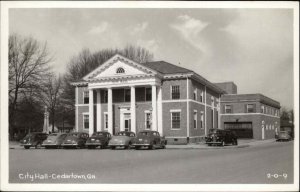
(141, 144)
(49, 144)
(93, 144)
(69, 145)
(213, 142)
(26, 145)
(117, 145)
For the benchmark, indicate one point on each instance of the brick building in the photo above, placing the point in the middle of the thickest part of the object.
(125, 95)
(250, 115)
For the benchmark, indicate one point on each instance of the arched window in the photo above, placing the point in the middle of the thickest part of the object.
(120, 70)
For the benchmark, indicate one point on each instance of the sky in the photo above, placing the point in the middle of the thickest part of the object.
(251, 47)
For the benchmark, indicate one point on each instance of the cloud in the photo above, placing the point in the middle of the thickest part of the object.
(139, 28)
(151, 45)
(101, 28)
(190, 28)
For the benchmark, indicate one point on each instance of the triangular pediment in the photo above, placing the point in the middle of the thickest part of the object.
(119, 66)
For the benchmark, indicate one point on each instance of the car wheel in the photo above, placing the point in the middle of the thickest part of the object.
(26, 147)
(137, 147)
(151, 147)
(113, 147)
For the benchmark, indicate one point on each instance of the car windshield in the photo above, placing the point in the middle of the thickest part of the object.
(98, 134)
(144, 133)
(123, 134)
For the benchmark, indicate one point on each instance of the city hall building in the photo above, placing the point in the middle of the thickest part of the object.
(123, 95)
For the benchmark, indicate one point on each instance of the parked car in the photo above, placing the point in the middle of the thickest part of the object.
(122, 139)
(75, 140)
(98, 139)
(283, 136)
(34, 139)
(221, 137)
(150, 139)
(54, 140)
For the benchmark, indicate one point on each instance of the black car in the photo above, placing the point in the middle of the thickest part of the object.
(75, 140)
(221, 137)
(98, 139)
(34, 139)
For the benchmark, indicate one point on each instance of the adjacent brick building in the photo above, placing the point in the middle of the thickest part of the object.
(249, 115)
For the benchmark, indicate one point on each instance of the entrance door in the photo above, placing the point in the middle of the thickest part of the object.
(127, 122)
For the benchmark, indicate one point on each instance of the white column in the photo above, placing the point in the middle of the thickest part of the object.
(110, 111)
(205, 115)
(187, 109)
(91, 112)
(76, 108)
(154, 108)
(99, 123)
(159, 111)
(132, 109)
(219, 112)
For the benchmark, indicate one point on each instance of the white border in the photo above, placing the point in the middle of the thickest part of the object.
(145, 187)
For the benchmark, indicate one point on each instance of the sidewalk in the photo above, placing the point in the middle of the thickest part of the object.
(241, 144)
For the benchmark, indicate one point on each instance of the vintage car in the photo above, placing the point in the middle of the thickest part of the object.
(221, 137)
(283, 136)
(75, 140)
(98, 139)
(54, 140)
(34, 139)
(122, 139)
(150, 139)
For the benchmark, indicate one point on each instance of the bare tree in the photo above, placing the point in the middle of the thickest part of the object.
(28, 64)
(50, 95)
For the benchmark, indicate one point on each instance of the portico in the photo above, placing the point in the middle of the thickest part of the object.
(122, 74)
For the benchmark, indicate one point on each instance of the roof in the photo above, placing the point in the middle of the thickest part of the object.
(165, 67)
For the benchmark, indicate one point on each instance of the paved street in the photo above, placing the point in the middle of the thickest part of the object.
(227, 165)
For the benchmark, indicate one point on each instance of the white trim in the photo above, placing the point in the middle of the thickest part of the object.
(232, 114)
(154, 108)
(159, 111)
(82, 105)
(133, 109)
(110, 109)
(175, 110)
(174, 101)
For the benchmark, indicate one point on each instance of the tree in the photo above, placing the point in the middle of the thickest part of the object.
(50, 95)
(28, 64)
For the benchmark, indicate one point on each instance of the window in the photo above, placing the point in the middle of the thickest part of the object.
(175, 92)
(228, 109)
(201, 120)
(250, 108)
(105, 121)
(262, 109)
(267, 110)
(127, 95)
(195, 94)
(195, 119)
(86, 97)
(201, 96)
(86, 121)
(120, 70)
(148, 120)
(212, 102)
(148, 94)
(175, 116)
(105, 96)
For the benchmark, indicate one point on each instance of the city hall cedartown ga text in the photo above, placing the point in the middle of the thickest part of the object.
(123, 95)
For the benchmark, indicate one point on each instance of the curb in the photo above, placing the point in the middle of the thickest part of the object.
(210, 147)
